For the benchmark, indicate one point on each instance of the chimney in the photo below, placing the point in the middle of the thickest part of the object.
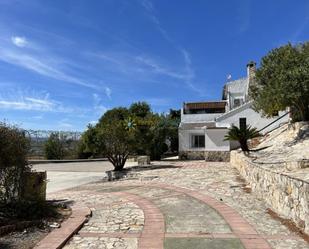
(251, 68)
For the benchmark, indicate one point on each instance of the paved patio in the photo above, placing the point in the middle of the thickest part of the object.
(67, 175)
(177, 205)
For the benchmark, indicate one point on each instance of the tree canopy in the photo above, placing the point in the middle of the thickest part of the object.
(283, 81)
(54, 147)
(140, 109)
(113, 137)
(135, 130)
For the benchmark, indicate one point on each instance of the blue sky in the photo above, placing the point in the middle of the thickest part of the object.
(64, 62)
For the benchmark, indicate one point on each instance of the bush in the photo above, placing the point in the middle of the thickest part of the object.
(14, 147)
(82, 152)
(89, 144)
(55, 147)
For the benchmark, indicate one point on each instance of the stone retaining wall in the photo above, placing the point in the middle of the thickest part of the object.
(210, 156)
(287, 196)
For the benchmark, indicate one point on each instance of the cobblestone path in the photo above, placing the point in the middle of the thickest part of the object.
(177, 205)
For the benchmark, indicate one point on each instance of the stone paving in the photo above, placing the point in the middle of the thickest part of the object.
(177, 205)
(122, 217)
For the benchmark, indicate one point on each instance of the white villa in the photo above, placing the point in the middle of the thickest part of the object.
(204, 124)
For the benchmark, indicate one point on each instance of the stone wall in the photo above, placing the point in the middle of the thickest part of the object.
(286, 195)
(217, 156)
(210, 156)
(191, 155)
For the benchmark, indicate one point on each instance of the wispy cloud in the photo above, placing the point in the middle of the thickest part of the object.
(98, 105)
(189, 74)
(31, 101)
(39, 61)
(244, 15)
(19, 41)
(302, 27)
(157, 68)
(64, 124)
(132, 64)
(188, 64)
(147, 5)
(43, 103)
(108, 92)
(40, 66)
(151, 14)
(296, 35)
(148, 67)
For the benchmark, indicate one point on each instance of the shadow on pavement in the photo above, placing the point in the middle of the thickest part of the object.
(133, 172)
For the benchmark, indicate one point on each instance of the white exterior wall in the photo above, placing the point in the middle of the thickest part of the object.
(215, 140)
(185, 139)
(196, 118)
(253, 118)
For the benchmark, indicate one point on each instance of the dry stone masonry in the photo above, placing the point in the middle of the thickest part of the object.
(286, 195)
(278, 171)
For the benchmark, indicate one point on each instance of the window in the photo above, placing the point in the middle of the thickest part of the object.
(242, 123)
(198, 141)
(237, 102)
(204, 111)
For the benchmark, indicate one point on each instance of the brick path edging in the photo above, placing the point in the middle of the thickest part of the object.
(152, 235)
(238, 224)
(58, 237)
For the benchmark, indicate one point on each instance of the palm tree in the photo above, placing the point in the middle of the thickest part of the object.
(242, 135)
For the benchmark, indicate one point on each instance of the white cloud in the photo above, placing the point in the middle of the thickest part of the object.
(40, 61)
(244, 15)
(31, 101)
(108, 92)
(19, 41)
(150, 12)
(27, 103)
(157, 68)
(147, 5)
(93, 122)
(97, 104)
(65, 125)
(132, 64)
(96, 98)
(299, 31)
(189, 74)
(145, 65)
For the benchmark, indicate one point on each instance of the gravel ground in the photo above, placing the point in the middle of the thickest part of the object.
(22, 240)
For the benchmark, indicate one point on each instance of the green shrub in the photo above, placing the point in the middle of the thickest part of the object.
(242, 135)
(14, 147)
(55, 147)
